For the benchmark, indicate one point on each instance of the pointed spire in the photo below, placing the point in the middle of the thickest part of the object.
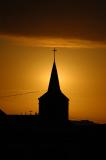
(54, 80)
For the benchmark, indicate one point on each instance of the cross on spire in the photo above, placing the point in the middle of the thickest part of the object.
(54, 80)
(54, 50)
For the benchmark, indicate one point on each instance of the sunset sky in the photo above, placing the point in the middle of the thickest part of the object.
(29, 30)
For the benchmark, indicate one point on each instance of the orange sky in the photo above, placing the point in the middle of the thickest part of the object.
(26, 67)
(29, 30)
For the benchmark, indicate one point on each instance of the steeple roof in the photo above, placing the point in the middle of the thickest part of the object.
(54, 85)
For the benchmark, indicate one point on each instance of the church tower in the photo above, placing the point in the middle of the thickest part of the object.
(53, 105)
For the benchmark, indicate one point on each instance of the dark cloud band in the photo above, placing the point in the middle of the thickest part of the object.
(64, 19)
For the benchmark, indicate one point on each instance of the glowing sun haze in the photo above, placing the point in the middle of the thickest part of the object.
(81, 74)
(29, 30)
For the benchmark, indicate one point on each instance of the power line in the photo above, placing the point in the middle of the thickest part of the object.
(19, 94)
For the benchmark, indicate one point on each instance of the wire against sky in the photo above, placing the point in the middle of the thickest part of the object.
(20, 94)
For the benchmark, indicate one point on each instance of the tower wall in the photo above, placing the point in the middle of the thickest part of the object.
(53, 111)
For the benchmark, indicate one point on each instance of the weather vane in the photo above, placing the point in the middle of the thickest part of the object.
(54, 50)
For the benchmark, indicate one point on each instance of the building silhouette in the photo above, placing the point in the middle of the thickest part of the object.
(53, 105)
(2, 113)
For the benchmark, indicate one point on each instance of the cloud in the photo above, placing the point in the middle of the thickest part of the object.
(84, 20)
(48, 42)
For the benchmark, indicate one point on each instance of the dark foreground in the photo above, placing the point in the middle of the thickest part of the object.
(23, 137)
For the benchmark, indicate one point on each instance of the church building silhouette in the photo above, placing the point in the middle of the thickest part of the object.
(53, 105)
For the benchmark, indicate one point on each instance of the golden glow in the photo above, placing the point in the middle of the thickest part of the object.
(24, 68)
(51, 42)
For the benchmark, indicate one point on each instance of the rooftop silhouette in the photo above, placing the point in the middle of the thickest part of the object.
(2, 113)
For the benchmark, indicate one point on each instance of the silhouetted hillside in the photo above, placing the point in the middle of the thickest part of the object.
(24, 137)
